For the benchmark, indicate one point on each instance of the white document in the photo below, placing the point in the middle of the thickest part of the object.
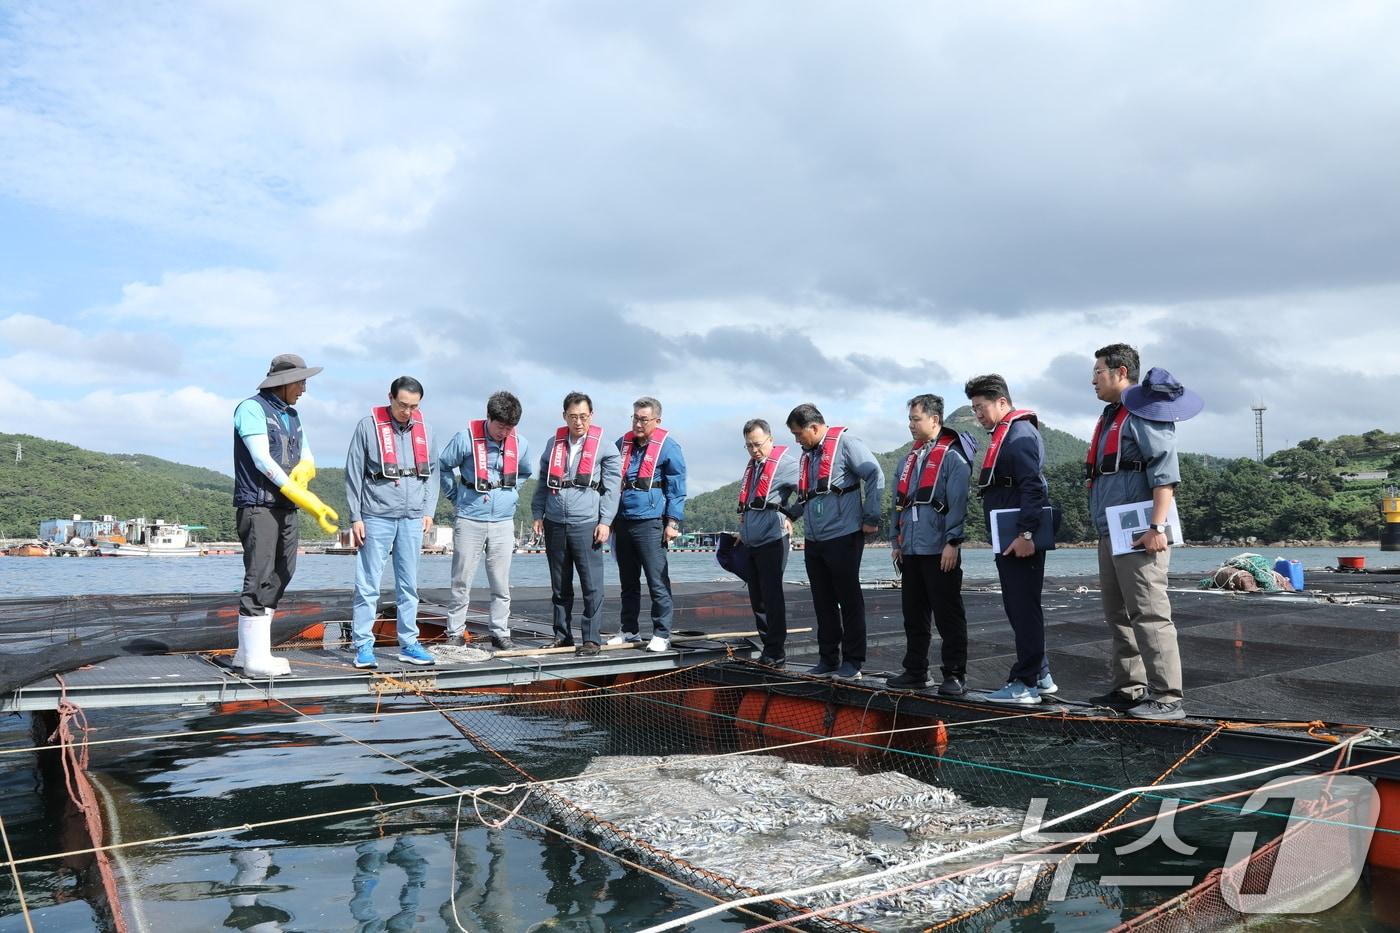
(1126, 522)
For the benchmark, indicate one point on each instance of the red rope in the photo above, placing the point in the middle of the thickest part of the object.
(74, 756)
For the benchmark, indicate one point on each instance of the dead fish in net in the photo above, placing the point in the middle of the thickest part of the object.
(770, 824)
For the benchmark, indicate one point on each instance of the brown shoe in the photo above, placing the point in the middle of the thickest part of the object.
(587, 649)
(562, 643)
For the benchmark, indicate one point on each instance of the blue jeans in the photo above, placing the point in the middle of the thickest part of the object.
(569, 548)
(639, 547)
(404, 536)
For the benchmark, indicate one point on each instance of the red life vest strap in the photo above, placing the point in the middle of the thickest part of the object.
(1109, 463)
(989, 462)
(759, 500)
(830, 444)
(928, 477)
(587, 461)
(386, 430)
(646, 472)
(510, 458)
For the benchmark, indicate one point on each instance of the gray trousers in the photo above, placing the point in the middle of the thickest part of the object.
(269, 539)
(470, 540)
(1139, 616)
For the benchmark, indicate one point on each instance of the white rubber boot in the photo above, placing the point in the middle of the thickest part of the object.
(257, 652)
(241, 655)
(253, 866)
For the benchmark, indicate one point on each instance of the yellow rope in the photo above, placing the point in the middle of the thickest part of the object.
(14, 873)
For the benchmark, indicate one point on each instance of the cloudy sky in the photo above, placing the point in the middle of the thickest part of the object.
(734, 207)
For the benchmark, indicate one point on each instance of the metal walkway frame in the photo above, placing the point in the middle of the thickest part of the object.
(195, 680)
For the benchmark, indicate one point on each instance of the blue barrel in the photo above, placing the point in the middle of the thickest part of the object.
(1292, 570)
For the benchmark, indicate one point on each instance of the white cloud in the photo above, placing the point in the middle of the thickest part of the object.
(620, 198)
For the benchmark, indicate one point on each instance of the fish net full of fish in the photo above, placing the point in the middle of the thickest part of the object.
(740, 789)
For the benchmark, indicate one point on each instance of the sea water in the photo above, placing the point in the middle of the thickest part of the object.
(51, 576)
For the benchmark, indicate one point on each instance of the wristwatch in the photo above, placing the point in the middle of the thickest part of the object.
(1029, 536)
(1160, 529)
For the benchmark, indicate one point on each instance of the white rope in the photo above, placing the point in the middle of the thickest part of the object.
(500, 792)
(990, 844)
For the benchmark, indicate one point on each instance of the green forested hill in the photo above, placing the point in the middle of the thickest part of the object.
(56, 480)
(1302, 492)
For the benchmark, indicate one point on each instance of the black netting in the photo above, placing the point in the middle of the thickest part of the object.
(42, 637)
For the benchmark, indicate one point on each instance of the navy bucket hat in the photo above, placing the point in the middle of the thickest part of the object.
(1161, 397)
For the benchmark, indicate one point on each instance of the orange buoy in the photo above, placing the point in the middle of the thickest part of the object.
(781, 719)
(1385, 842)
(709, 704)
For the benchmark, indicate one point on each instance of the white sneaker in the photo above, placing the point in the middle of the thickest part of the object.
(618, 639)
(1014, 692)
(658, 643)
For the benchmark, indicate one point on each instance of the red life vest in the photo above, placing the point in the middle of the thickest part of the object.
(646, 471)
(928, 478)
(386, 429)
(1109, 464)
(989, 462)
(587, 460)
(830, 444)
(510, 458)
(765, 481)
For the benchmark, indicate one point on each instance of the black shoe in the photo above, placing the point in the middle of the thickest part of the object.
(587, 649)
(775, 663)
(907, 681)
(952, 686)
(562, 643)
(1116, 700)
(1161, 710)
(455, 641)
(501, 644)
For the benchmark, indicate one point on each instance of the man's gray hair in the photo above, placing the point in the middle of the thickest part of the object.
(646, 401)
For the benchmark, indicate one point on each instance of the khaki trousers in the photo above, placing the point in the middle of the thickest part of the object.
(1139, 617)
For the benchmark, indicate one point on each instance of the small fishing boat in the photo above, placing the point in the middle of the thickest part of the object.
(155, 539)
(30, 549)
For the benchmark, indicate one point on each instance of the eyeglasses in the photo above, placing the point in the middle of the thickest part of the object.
(579, 417)
(638, 419)
(755, 445)
(1099, 371)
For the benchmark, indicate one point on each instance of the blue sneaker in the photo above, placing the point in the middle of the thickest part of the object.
(364, 657)
(1014, 692)
(821, 669)
(847, 671)
(414, 653)
(1046, 685)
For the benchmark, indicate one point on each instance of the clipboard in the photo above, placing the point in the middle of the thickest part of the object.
(1126, 522)
(1003, 527)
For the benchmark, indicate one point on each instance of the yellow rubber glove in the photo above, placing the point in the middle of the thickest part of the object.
(304, 472)
(312, 503)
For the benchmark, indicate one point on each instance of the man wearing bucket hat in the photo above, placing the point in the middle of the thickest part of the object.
(272, 465)
(1132, 458)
